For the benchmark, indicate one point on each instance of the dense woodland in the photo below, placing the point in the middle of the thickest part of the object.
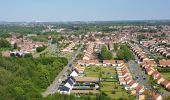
(26, 78)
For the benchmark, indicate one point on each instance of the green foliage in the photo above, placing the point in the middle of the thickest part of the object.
(26, 78)
(115, 46)
(148, 30)
(40, 49)
(106, 54)
(141, 37)
(4, 35)
(163, 35)
(4, 43)
(120, 54)
(15, 46)
(41, 38)
(29, 55)
(5, 29)
(163, 70)
(124, 53)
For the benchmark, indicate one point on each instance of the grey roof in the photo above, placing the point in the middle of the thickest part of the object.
(64, 88)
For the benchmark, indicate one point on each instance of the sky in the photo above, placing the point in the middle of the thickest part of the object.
(83, 10)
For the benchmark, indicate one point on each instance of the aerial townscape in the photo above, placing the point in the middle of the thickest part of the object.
(95, 59)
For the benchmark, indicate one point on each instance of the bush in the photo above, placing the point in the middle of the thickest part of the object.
(40, 49)
(29, 55)
(113, 91)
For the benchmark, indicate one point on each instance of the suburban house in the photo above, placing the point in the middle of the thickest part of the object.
(164, 63)
(79, 68)
(139, 89)
(65, 89)
(160, 79)
(74, 73)
(89, 52)
(69, 48)
(132, 84)
(88, 62)
(109, 62)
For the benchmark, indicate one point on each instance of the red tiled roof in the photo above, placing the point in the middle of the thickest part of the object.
(138, 88)
(165, 82)
(132, 82)
(109, 61)
(155, 95)
(89, 61)
(149, 62)
(120, 61)
(164, 62)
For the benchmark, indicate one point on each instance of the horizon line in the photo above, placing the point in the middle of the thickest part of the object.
(36, 21)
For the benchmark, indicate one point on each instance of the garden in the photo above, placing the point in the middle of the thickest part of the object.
(108, 84)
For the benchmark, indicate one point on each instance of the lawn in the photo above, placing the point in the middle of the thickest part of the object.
(44, 52)
(107, 72)
(108, 87)
(166, 75)
(92, 71)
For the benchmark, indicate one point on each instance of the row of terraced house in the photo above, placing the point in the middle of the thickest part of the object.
(148, 65)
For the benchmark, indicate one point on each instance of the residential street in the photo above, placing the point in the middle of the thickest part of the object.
(54, 86)
(139, 75)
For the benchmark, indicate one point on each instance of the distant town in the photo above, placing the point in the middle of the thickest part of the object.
(100, 60)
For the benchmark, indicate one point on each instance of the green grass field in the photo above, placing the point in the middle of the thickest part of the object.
(92, 71)
(107, 72)
(166, 75)
(107, 87)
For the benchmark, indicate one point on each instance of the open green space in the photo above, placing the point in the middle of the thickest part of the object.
(166, 75)
(113, 90)
(106, 72)
(110, 88)
(92, 71)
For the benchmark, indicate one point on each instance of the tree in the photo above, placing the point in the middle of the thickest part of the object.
(25, 78)
(120, 54)
(15, 46)
(40, 49)
(124, 53)
(29, 55)
(4, 43)
(106, 54)
(115, 46)
(141, 37)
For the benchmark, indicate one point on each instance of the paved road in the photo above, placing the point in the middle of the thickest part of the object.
(137, 71)
(54, 86)
(139, 75)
